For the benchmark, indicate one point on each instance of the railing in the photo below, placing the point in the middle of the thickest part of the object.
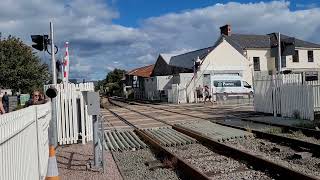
(24, 147)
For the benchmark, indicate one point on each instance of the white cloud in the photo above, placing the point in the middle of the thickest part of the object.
(96, 43)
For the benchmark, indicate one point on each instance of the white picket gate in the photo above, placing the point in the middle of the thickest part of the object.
(285, 95)
(72, 113)
(24, 148)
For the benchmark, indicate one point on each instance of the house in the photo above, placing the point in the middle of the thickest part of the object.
(233, 54)
(297, 56)
(134, 81)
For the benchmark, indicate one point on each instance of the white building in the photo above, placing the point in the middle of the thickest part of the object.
(236, 54)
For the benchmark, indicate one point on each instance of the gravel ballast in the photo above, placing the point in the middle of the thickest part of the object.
(300, 136)
(132, 166)
(214, 165)
(298, 160)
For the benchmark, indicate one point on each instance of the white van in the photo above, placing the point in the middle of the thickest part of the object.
(230, 85)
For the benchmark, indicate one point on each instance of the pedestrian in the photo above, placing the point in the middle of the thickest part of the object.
(2, 111)
(199, 93)
(36, 99)
(207, 94)
(5, 102)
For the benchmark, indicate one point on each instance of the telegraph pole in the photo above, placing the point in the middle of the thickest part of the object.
(53, 124)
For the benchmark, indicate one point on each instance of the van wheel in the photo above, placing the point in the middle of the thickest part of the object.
(225, 96)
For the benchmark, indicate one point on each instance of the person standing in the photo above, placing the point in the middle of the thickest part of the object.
(36, 99)
(5, 102)
(199, 93)
(2, 111)
(207, 94)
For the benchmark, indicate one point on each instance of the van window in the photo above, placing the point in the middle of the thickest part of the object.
(245, 83)
(227, 83)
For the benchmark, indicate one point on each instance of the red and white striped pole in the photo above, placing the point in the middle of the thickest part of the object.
(66, 63)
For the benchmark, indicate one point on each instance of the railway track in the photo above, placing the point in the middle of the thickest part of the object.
(229, 151)
(308, 138)
(228, 167)
(166, 157)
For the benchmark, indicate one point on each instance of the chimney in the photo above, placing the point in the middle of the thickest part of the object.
(226, 30)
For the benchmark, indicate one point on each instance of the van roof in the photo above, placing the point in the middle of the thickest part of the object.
(226, 77)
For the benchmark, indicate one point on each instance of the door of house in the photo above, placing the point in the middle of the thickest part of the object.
(206, 80)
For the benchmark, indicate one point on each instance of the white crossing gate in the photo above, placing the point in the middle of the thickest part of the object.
(72, 113)
(284, 95)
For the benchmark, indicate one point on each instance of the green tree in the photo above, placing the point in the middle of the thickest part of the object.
(112, 83)
(20, 68)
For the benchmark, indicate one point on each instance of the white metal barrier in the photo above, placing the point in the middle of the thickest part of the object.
(72, 114)
(316, 93)
(24, 148)
(285, 95)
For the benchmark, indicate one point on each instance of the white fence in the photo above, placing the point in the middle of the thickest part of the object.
(316, 93)
(24, 148)
(285, 95)
(72, 113)
(177, 94)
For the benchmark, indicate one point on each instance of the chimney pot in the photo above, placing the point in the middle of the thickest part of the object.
(226, 30)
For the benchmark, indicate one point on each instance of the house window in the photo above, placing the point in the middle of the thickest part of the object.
(295, 57)
(256, 63)
(310, 56)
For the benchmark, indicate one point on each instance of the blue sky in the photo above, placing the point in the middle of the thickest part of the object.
(132, 12)
(126, 34)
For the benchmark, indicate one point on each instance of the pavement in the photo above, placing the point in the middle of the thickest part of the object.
(73, 163)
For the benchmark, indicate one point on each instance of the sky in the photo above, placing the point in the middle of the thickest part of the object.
(126, 34)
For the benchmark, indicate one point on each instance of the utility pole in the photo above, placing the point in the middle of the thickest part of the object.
(53, 61)
(53, 123)
(279, 54)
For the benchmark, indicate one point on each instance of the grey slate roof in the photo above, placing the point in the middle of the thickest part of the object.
(242, 41)
(298, 42)
(249, 41)
(186, 60)
(239, 42)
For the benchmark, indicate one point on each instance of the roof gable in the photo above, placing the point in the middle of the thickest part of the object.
(142, 71)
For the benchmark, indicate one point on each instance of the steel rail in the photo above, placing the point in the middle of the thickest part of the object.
(314, 148)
